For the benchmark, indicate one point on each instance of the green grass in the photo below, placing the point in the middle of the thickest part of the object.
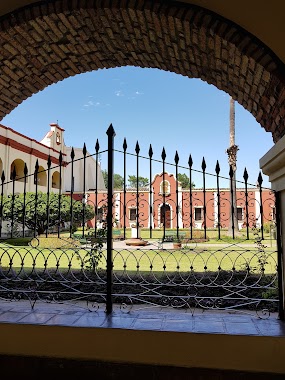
(148, 260)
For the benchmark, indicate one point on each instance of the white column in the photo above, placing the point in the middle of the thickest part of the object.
(273, 165)
(180, 219)
(215, 208)
(257, 208)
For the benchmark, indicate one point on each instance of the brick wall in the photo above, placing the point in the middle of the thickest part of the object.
(48, 42)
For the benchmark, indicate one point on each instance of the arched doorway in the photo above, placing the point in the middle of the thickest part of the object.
(18, 167)
(42, 176)
(165, 216)
(55, 183)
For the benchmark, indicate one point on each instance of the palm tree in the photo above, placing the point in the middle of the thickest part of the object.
(232, 159)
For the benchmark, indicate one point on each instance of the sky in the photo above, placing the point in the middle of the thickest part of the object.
(150, 106)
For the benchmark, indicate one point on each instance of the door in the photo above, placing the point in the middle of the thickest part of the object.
(165, 216)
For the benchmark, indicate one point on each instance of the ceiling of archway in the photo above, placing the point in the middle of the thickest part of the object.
(264, 21)
(52, 40)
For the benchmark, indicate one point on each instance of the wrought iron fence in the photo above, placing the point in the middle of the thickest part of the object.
(122, 250)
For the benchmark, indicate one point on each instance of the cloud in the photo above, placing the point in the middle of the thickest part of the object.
(89, 104)
(119, 93)
(138, 93)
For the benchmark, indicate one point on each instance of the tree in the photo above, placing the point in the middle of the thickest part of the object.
(142, 181)
(232, 158)
(184, 181)
(34, 213)
(118, 180)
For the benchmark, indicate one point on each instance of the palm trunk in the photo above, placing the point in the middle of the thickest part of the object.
(232, 158)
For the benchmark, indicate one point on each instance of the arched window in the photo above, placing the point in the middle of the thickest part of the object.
(18, 165)
(165, 187)
(42, 176)
(55, 182)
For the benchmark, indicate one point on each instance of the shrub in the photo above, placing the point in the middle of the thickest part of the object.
(20, 241)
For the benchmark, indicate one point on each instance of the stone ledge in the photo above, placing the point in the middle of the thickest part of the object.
(272, 164)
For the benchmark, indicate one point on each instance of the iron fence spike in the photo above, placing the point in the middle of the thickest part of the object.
(49, 162)
(163, 154)
(84, 150)
(97, 146)
(190, 161)
(260, 179)
(231, 172)
(245, 175)
(137, 148)
(218, 169)
(72, 154)
(111, 131)
(176, 158)
(125, 146)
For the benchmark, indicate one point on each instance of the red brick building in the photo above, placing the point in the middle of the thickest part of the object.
(165, 202)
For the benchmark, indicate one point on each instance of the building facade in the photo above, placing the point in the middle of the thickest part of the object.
(19, 155)
(165, 202)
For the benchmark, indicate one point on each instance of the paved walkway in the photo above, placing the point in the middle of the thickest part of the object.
(155, 244)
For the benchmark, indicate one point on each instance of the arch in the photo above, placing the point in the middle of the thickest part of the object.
(45, 43)
(42, 176)
(55, 180)
(165, 215)
(19, 166)
(164, 187)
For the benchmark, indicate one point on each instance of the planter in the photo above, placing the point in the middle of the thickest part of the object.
(177, 245)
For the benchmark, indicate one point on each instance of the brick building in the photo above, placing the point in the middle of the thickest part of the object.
(166, 202)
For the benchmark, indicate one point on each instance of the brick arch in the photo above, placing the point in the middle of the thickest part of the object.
(45, 43)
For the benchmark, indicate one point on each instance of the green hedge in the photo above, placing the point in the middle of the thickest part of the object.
(21, 241)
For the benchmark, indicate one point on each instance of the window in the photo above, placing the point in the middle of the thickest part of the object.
(198, 213)
(239, 213)
(273, 213)
(57, 138)
(133, 214)
(165, 187)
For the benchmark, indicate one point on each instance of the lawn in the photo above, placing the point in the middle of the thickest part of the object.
(183, 260)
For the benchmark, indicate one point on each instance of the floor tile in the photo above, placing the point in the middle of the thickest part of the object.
(241, 328)
(118, 322)
(12, 316)
(210, 328)
(177, 325)
(147, 324)
(61, 319)
(89, 320)
(36, 318)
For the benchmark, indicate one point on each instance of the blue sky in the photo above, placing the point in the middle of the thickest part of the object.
(149, 106)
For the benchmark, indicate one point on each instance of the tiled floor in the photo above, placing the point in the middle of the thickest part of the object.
(145, 319)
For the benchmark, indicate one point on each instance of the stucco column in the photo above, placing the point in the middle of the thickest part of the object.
(273, 165)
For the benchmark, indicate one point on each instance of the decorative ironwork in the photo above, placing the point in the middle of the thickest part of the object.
(240, 271)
